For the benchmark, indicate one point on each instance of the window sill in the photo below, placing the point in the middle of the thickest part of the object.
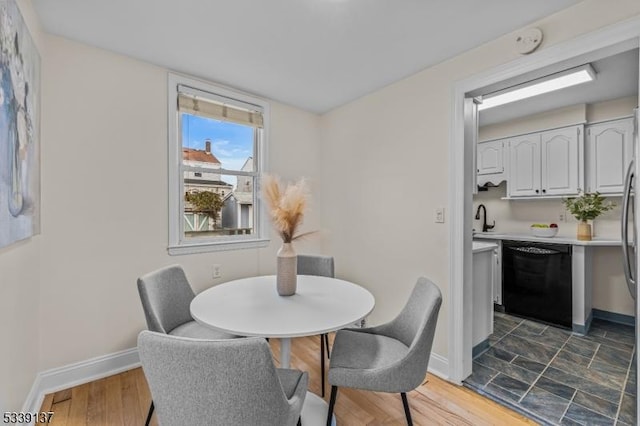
(212, 247)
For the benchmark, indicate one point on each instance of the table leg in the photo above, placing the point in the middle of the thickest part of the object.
(285, 352)
(314, 411)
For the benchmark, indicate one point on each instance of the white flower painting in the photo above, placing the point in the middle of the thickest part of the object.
(19, 128)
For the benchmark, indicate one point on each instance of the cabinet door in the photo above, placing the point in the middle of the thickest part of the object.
(561, 153)
(490, 159)
(524, 166)
(497, 275)
(609, 151)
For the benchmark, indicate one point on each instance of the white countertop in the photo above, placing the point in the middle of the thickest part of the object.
(596, 241)
(480, 246)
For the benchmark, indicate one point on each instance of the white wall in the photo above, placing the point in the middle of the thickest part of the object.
(19, 272)
(104, 183)
(399, 137)
(567, 116)
(574, 114)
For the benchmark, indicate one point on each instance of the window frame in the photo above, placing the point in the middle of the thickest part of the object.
(178, 244)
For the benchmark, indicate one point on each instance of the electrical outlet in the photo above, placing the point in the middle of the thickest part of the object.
(440, 215)
(562, 217)
(217, 271)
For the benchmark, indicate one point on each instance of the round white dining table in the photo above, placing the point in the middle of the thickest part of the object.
(252, 307)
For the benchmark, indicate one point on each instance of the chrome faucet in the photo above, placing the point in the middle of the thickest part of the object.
(485, 226)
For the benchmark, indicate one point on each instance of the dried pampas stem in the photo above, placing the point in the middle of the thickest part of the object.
(286, 207)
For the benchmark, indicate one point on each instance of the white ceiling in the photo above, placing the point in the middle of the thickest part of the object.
(616, 77)
(313, 54)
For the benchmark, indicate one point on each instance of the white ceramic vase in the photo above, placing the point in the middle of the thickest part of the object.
(287, 270)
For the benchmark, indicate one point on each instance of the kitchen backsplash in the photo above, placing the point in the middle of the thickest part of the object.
(516, 216)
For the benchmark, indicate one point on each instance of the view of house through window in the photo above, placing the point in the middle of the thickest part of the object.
(219, 140)
(215, 203)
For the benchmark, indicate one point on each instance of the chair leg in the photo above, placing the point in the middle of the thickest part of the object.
(322, 364)
(151, 407)
(299, 421)
(407, 410)
(332, 402)
(326, 343)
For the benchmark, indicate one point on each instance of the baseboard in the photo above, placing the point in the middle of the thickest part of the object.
(76, 374)
(439, 366)
(479, 348)
(583, 330)
(614, 317)
(34, 398)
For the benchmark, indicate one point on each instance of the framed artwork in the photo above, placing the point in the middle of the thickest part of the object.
(19, 128)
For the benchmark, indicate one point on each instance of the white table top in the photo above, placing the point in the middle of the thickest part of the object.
(252, 307)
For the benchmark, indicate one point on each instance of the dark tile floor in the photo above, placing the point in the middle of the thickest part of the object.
(559, 378)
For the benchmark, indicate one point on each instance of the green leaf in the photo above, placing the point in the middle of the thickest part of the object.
(587, 206)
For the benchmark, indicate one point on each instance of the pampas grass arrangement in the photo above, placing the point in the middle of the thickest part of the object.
(286, 206)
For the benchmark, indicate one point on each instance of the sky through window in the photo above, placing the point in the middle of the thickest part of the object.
(231, 143)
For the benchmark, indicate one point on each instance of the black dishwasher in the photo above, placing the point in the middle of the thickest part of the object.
(536, 281)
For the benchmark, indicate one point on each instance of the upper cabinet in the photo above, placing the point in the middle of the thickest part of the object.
(524, 166)
(609, 150)
(491, 162)
(546, 163)
(562, 156)
(490, 159)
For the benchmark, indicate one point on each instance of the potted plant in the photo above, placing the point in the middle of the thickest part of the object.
(587, 206)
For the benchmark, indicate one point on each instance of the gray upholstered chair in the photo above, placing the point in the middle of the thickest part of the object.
(166, 296)
(392, 357)
(322, 266)
(219, 382)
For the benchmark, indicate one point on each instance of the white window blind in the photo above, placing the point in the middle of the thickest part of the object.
(196, 105)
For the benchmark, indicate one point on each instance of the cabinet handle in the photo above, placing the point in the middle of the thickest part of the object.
(537, 191)
(544, 190)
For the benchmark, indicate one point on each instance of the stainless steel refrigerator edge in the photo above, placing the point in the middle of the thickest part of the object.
(631, 256)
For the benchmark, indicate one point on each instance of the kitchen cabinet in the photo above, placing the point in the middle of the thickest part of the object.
(581, 270)
(609, 150)
(524, 166)
(482, 293)
(490, 161)
(497, 273)
(546, 163)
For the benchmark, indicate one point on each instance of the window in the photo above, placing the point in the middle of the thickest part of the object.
(217, 143)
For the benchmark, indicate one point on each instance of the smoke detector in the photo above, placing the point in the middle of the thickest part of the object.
(528, 40)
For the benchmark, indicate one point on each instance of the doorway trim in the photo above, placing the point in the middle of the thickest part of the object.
(461, 176)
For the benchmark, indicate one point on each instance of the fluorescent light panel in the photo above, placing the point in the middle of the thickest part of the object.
(554, 82)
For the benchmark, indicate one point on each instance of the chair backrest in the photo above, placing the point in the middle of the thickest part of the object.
(213, 382)
(316, 265)
(415, 326)
(166, 296)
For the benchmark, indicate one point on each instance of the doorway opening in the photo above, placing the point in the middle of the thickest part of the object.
(619, 40)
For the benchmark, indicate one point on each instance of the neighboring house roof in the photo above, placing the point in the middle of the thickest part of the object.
(248, 164)
(243, 197)
(207, 182)
(199, 155)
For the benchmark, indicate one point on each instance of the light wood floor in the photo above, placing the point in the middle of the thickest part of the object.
(124, 399)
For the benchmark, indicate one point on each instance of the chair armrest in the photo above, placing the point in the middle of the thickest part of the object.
(296, 402)
(382, 329)
(301, 388)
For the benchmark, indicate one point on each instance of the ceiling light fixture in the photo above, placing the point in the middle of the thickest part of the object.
(553, 82)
